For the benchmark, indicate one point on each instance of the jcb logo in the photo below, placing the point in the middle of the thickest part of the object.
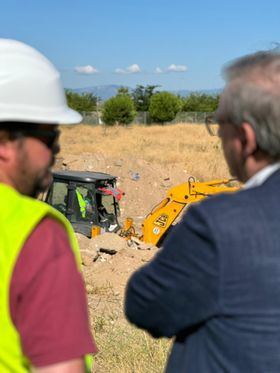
(161, 221)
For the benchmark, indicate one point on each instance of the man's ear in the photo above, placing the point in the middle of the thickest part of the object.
(248, 139)
(5, 150)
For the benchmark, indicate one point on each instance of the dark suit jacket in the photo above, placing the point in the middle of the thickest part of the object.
(216, 285)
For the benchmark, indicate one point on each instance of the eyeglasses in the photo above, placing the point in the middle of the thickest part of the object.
(211, 125)
(48, 137)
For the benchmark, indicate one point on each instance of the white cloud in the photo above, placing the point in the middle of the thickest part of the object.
(88, 69)
(177, 68)
(120, 71)
(132, 69)
(158, 70)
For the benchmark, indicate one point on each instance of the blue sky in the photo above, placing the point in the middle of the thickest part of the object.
(176, 44)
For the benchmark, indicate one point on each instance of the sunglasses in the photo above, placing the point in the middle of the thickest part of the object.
(211, 125)
(48, 137)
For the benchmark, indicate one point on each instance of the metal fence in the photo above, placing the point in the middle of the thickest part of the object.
(191, 117)
(143, 117)
(93, 118)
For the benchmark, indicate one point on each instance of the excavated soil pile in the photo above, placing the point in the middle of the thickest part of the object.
(109, 259)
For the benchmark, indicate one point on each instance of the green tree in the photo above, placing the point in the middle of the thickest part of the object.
(141, 96)
(123, 91)
(200, 102)
(118, 110)
(164, 106)
(85, 102)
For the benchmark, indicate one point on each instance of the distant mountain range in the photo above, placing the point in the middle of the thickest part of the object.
(102, 91)
(106, 91)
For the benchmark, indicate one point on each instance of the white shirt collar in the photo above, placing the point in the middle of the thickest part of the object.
(260, 177)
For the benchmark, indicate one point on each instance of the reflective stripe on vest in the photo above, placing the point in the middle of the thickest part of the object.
(19, 216)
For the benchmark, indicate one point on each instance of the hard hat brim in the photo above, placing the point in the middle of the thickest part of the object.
(61, 116)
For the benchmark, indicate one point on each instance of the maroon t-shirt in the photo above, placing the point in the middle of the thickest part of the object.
(48, 300)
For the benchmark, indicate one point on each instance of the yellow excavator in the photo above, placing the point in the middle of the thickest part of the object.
(161, 219)
(90, 201)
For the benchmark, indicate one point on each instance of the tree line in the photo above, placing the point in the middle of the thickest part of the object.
(123, 107)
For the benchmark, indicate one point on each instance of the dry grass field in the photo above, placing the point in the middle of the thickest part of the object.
(163, 156)
(186, 144)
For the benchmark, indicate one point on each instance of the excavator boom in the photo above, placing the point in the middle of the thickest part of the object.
(160, 220)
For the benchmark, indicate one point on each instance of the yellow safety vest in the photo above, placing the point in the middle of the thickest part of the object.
(19, 216)
(82, 203)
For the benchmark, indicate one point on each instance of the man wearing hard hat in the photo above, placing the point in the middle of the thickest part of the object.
(43, 311)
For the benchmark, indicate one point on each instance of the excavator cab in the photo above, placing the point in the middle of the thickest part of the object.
(89, 200)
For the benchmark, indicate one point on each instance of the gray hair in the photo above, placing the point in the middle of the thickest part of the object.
(252, 95)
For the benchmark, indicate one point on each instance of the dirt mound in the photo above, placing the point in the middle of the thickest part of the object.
(108, 260)
(114, 270)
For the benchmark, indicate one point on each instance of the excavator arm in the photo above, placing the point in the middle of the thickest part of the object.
(159, 221)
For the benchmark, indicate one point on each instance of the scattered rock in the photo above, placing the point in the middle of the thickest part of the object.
(107, 251)
(134, 176)
(136, 243)
(109, 241)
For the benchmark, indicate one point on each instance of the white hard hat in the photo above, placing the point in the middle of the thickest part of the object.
(30, 87)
